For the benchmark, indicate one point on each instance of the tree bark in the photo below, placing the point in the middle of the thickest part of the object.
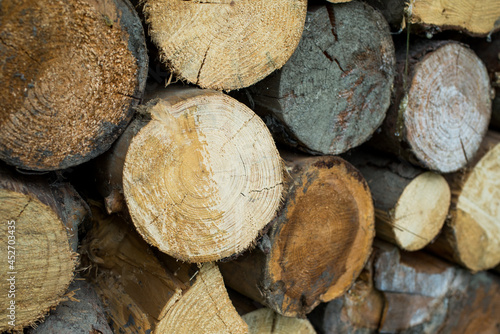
(266, 321)
(437, 119)
(317, 244)
(471, 237)
(335, 90)
(142, 293)
(72, 72)
(39, 235)
(82, 313)
(225, 44)
(200, 173)
(411, 204)
(414, 293)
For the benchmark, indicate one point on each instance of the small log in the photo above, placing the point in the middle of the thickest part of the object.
(318, 243)
(40, 234)
(335, 90)
(82, 313)
(143, 294)
(475, 17)
(471, 237)
(225, 44)
(200, 173)
(266, 321)
(438, 119)
(72, 71)
(411, 204)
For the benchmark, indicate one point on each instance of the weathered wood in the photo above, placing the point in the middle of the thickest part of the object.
(200, 173)
(437, 119)
(317, 244)
(72, 71)
(225, 44)
(266, 321)
(475, 17)
(411, 204)
(358, 311)
(143, 294)
(471, 237)
(39, 235)
(418, 294)
(392, 10)
(334, 91)
(82, 313)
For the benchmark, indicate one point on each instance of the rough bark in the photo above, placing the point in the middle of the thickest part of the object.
(417, 293)
(411, 204)
(143, 294)
(72, 71)
(225, 44)
(39, 235)
(471, 236)
(437, 119)
(335, 90)
(82, 313)
(266, 321)
(317, 244)
(200, 174)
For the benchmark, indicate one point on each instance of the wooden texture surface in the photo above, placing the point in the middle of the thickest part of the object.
(225, 44)
(317, 244)
(266, 321)
(144, 294)
(411, 204)
(71, 72)
(438, 119)
(334, 91)
(39, 233)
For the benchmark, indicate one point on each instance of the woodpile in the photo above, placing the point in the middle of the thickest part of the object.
(304, 167)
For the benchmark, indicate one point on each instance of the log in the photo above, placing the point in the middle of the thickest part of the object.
(489, 52)
(471, 237)
(334, 91)
(475, 17)
(143, 294)
(411, 204)
(414, 293)
(394, 11)
(225, 44)
(317, 244)
(73, 71)
(437, 119)
(266, 321)
(82, 313)
(200, 174)
(39, 234)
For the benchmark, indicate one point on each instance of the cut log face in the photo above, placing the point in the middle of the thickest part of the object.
(71, 71)
(225, 44)
(335, 90)
(266, 321)
(317, 245)
(438, 119)
(145, 295)
(203, 177)
(37, 242)
(411, 204)
(477, 17)
(475, 224)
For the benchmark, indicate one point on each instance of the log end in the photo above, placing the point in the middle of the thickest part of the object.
(203, 177)
(265, 320)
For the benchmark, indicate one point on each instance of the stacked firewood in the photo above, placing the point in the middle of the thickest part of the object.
(250, 166)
